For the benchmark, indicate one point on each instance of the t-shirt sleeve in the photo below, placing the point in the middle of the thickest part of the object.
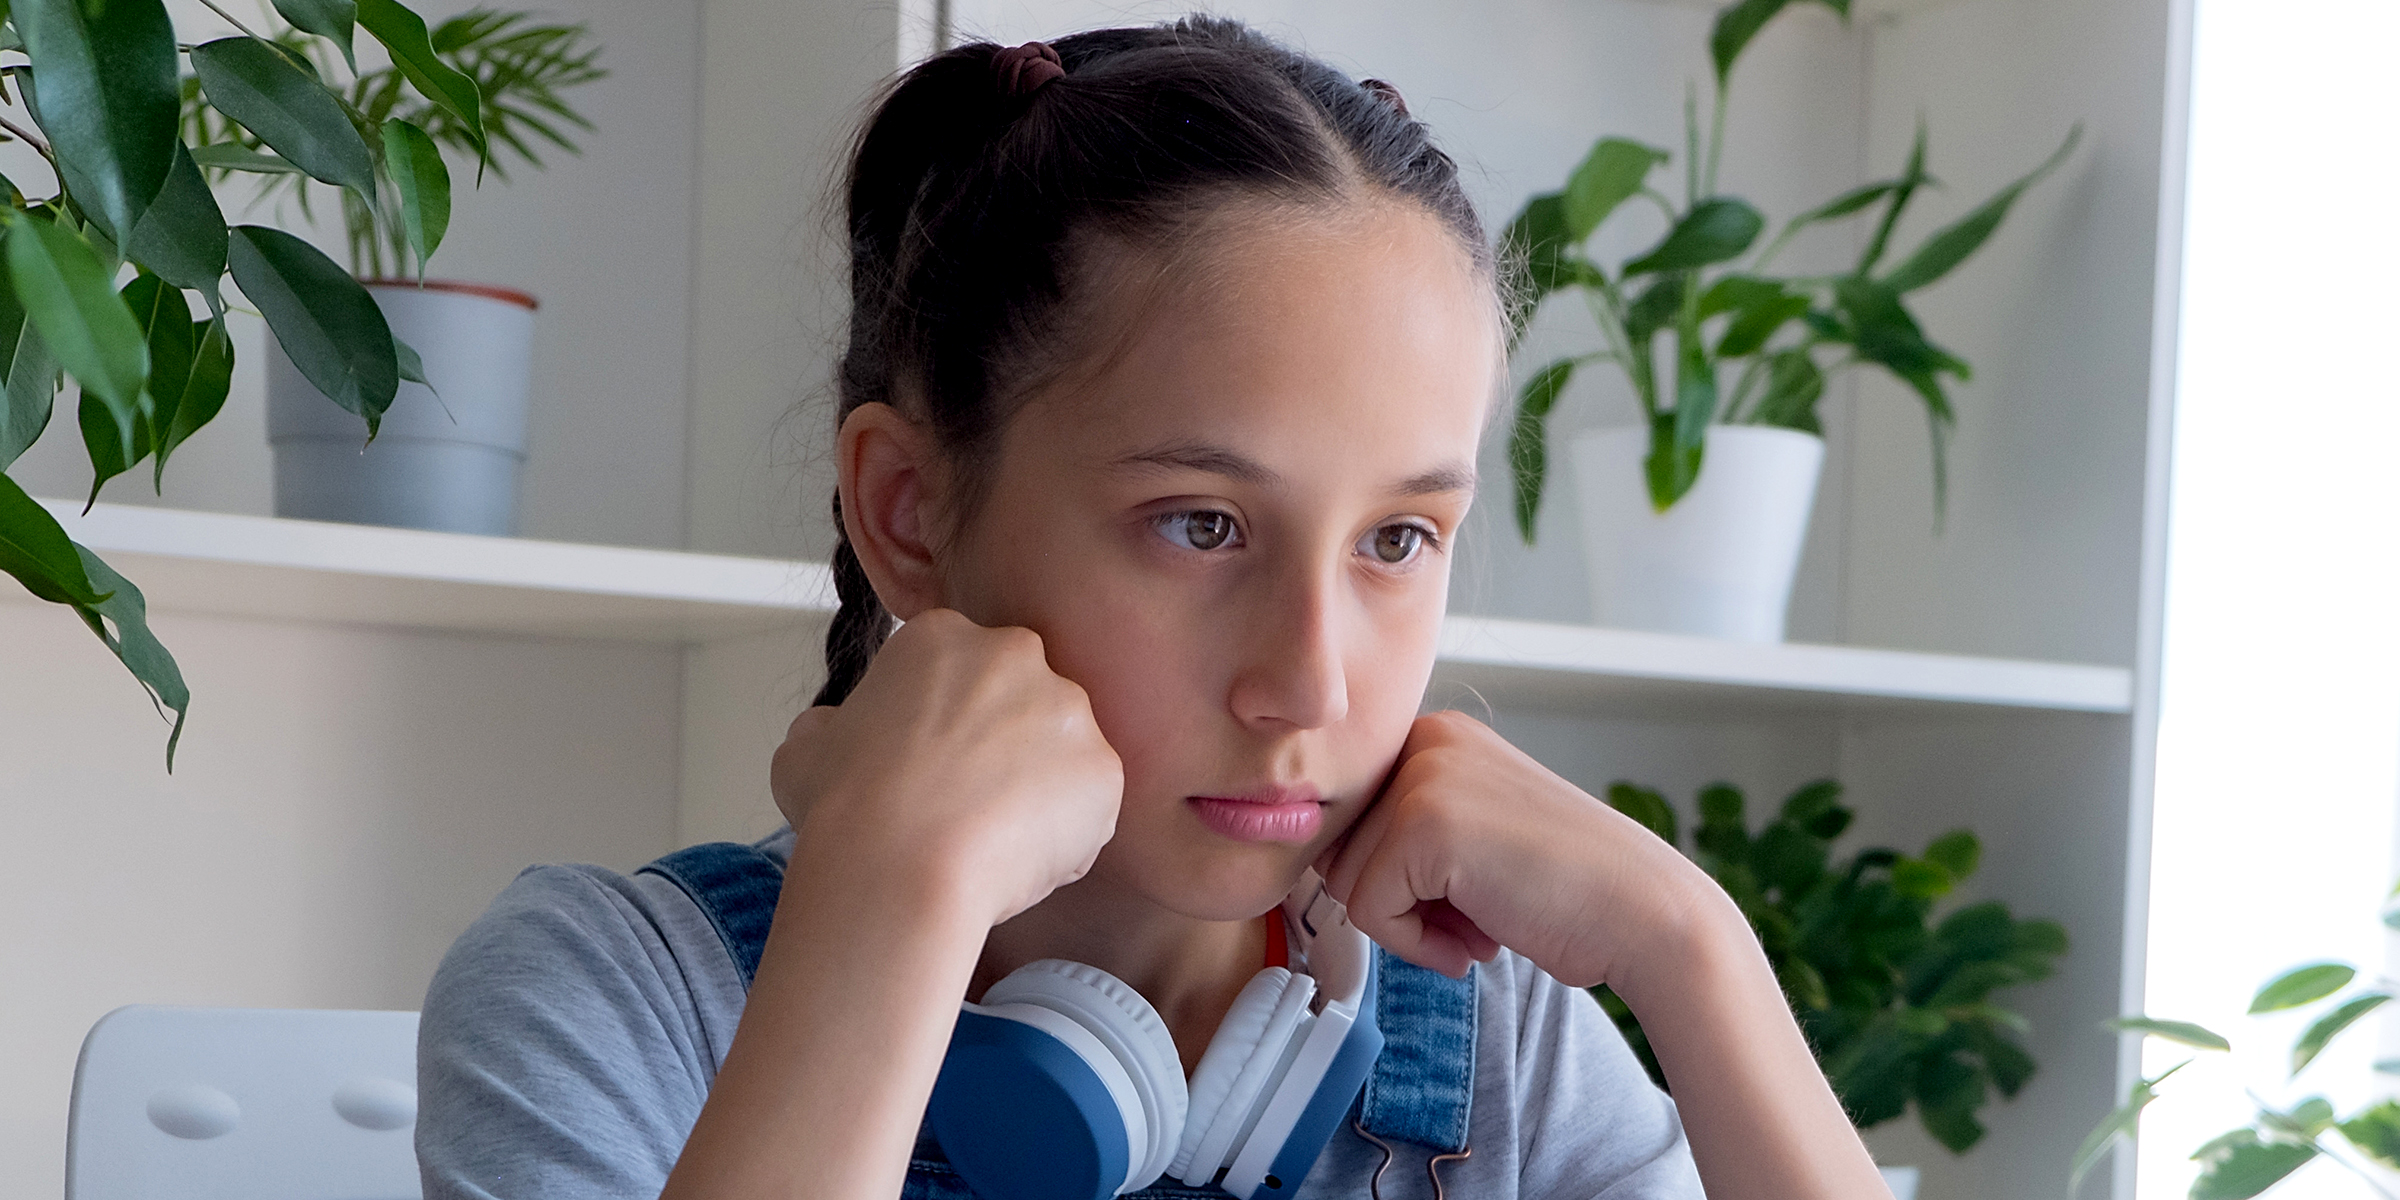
(559, 1054)
(1590, 1123)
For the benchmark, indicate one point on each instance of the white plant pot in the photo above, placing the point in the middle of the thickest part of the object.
(1719, 563)
(1902, 1181)
(450, 463)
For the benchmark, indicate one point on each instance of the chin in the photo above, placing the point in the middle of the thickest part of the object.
(1225, 882)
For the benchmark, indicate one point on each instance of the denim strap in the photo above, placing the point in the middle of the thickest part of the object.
(1422, 1087)
(735, 886)
(1424, 1084)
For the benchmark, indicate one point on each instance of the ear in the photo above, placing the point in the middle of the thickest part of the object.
(887, 465)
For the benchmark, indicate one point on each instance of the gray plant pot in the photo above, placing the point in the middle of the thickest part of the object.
(450, 463)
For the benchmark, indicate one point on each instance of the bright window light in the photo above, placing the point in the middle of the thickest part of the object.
(2279, 716)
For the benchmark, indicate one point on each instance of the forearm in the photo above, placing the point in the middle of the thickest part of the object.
(1762, 1121)
(846, 1024)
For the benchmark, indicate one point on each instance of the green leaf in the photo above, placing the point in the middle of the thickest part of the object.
(1724, 830)
(1670, 468)
(402, 32)
(328, 19)
(1653, 310)
(182, 236)
(1948, 1090)
(1953, 243)
(1816, 806)
(2376, 1131)
(67, 297)
(412, 364)
(1607, 177)
(325, 321)
(232, 156)
(2174, 1031)
(131, 641)
(1528, 440)
(2238, 1168)
(1747, 334)
(35, 550)
(423, 181)
(1912, 177)
(204, 392)
(1736, 25)
(28, 379)
(2039, 937)
(1794, 384)
(289, 109)
(1958, 851)
(1714, 231)
(110, 104)
(2304, 1122)
(2302, 985)
(2326, 1028)
(1921, 880)
(2118, 1124)
(1695, 394)
(1647, 806)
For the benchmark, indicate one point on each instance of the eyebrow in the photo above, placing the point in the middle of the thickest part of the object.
(1240, 468)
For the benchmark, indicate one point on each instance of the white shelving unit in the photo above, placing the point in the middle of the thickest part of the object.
(365, 575)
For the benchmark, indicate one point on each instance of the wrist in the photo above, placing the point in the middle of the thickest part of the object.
(1700, 944)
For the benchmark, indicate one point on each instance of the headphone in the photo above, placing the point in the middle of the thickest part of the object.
(1063, 1084)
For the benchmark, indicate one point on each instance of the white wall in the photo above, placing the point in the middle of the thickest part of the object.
(344, 802)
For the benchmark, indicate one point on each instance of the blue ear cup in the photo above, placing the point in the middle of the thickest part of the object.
(1062, 1083)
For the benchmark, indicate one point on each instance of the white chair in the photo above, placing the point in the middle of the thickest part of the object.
(245, 1104)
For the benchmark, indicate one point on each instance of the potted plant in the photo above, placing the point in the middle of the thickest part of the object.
(101, 276)
(1727, 361)
(1897, 1005)
(448, 450)
(2261, 1155)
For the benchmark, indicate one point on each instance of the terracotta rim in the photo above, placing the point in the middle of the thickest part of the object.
(487, 291)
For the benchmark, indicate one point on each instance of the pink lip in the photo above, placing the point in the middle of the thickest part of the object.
(1273, 813)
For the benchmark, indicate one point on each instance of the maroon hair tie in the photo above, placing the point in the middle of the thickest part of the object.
(1386, 93)
(1021, 70)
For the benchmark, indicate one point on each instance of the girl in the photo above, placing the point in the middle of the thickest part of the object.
(1169, 355)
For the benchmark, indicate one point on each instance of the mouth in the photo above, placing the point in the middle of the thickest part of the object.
(1275, 813)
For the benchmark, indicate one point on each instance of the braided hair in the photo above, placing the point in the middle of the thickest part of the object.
(982, 170)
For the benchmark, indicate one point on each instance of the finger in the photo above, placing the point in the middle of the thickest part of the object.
(1342, 863)
(1444, 916)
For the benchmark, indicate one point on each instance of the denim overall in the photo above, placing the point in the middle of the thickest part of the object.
(1419, 1091)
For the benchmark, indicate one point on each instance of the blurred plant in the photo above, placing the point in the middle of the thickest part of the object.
(1771, 332)
(2256, 1157)
(101, 276)
(520, 67)
(1897, 1006)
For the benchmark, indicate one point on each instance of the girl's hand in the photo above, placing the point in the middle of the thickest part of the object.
(961, 761)
(1473, 845)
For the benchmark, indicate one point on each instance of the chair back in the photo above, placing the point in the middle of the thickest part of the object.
(245, 1104)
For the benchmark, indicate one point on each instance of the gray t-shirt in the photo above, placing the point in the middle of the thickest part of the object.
(571, 1035)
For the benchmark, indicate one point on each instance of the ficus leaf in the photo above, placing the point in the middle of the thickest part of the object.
(111, 453)
(204, 392)
(1712, 232)
(289, 109)
(2314, 1039)
(329, 19)
(2238, 1168)
(2118, 1124)
(1607, 177)
(423, 181)
(2302, 985)
(2183, 1032)
(121, 620)
(1528, 440)
(28, 379)
(182, 235)
(2376, 1131)
(1952, 244)
(230, 156)
(327, 323)
(66, 293)
(35, 550)
(110, 102)
(403, 33)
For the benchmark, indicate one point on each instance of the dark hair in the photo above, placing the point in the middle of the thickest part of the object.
(968, 203)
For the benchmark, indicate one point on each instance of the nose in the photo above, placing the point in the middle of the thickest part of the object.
(1291, 673)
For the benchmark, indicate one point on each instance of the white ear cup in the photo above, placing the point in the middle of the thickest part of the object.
(1248, 1065)
(1134, 1035)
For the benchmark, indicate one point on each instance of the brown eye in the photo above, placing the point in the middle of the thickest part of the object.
(1396, 544)
(1201, 530)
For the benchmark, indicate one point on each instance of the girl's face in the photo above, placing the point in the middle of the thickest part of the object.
(1236, 534)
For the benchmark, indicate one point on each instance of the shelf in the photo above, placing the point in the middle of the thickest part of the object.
(281, 569)
(1623, 670)
(359, 574)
